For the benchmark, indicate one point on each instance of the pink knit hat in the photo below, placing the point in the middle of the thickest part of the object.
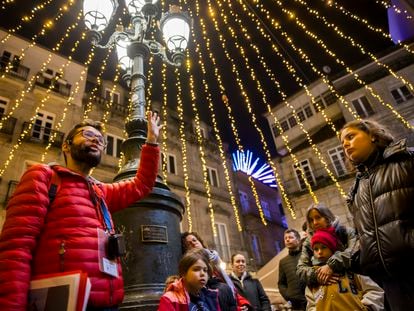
(327, 237)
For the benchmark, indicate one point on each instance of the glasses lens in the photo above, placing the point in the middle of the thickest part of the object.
(91, 135)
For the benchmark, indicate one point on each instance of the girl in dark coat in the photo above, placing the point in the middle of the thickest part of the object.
(319, 216)
(381, 202)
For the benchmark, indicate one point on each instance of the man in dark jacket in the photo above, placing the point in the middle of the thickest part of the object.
(289, 284)
(248, 287)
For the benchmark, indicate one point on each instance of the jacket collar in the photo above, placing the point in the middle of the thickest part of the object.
(379, 156)
(64, 170)
(244, 276)
(294, 252)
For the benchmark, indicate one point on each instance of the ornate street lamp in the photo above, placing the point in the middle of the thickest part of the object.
(151, 226)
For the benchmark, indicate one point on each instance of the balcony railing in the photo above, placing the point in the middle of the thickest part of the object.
(103, 103)
(16, 70)
(8, 125)
(42, 135)
(55, 85)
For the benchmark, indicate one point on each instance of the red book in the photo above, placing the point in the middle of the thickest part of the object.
(66, 291)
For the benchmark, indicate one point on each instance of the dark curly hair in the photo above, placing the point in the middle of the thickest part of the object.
(382, 135)
(185, 235)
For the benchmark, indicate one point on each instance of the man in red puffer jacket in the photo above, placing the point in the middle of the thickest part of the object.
(67, 235)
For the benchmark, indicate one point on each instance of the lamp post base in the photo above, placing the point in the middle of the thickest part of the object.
(153, 240)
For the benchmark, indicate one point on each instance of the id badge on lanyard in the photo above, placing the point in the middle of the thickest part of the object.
(105, 265)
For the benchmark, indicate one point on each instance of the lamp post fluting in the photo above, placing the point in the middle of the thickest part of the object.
(151, 226)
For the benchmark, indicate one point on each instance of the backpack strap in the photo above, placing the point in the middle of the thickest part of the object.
(54, 185)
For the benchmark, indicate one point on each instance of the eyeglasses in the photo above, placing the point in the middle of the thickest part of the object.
(90, 135)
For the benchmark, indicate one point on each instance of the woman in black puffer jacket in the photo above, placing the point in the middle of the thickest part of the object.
(382, 204)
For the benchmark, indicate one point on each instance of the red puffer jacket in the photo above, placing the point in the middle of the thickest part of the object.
(35, 235)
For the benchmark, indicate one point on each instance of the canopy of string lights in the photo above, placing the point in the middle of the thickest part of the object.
(243, 56)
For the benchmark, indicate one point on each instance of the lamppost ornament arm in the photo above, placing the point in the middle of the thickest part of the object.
(113, 39)
(158, 49)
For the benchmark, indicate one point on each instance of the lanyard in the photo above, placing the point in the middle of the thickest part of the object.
(105, 213)
(102, 205)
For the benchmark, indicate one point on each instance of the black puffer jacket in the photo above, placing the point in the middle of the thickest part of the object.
(382, 204)
(253, 291)
(225, 294)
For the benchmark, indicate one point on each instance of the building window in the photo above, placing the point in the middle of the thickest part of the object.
(329, 98)
(6, 56)
(306, 168)
(285, 125)
(401, 94)
(338, 160)
(112, 96)
(113, 147)
(363, 107)
(3, 105)
(5, 59)
(257, 249)
(301, 116)
(266, 210)
(170, 163)
(318, 104)
(212, 176)
(222, 243)
(43, 125)
(275, 130)
(244, 201)
(308, 111)
(292, 121)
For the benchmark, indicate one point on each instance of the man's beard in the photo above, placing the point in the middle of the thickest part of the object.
(85, 154)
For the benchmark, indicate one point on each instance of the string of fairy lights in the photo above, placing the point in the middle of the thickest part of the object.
(316, 150)
(164, 118)
(349, 38)
(27, 131)
(332, 54)
(34, 78)
(94, 92)
(220, 14)
(208, 97)
(367, 24)
(182, 134)
(249, 108)
(289, 67)
(222, 155)
(257, 202)
(227, 105)
(252, 185)
(253, 76)
(27, 18)
(396, 9)
(69, 102)
(47, 25)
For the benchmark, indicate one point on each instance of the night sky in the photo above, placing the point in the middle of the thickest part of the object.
(253, 20)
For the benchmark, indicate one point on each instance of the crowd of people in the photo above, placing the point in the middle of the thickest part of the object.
(334, 267)
(366, 267)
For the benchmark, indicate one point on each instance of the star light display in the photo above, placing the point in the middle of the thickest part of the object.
(247, 163)
(237, 53)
